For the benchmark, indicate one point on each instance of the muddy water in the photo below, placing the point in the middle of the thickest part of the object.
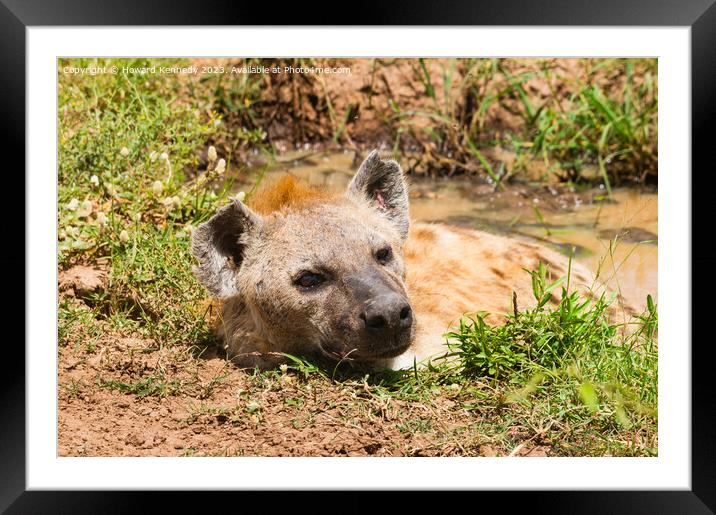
(616, 238)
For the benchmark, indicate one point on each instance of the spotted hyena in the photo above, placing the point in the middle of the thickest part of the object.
(350, 277)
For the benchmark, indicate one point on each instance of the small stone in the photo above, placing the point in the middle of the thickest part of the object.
(82, 279)
(135, 439)
(488, 450)
(85, 209)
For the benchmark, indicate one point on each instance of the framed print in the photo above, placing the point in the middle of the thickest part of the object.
(398, 257)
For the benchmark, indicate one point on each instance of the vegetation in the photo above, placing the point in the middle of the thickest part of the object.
(564, 375)
(577, 122)
(127, 198)
(582, 120)
(143, 159)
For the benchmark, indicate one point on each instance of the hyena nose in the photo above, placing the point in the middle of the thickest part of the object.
(387, 313)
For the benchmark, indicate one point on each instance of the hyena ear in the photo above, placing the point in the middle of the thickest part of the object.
(381, 184)
(219, 246)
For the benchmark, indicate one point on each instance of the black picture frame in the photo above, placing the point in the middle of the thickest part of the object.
(699, 15)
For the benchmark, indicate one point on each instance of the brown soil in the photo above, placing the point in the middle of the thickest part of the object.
(214, 409)
(296, 107)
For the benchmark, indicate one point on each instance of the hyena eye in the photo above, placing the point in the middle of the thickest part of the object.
(309, 280)
(384, 255)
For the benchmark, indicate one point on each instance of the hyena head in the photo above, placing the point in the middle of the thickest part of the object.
(324, 277)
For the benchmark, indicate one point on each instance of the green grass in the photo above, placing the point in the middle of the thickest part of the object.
(150, 386)
(607, 376)
(618, 132)
(128, 196)
(604, 120)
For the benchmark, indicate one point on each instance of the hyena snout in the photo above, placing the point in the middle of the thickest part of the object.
(388, 313)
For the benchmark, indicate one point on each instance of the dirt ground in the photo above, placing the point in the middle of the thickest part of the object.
(218, 410)
(297, 109)
(128, 396)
